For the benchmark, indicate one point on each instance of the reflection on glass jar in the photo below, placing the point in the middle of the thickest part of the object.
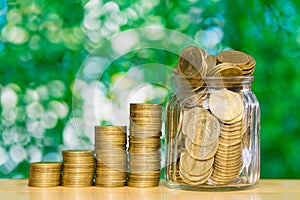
(212, 135)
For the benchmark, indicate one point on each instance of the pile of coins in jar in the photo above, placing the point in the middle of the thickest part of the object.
(207, 129)
(111, 164)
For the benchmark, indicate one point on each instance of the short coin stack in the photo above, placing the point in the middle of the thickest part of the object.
(44, 174)
(202, 132)
(144, 144)
(228, 107)
(78, 168)
(110, 149)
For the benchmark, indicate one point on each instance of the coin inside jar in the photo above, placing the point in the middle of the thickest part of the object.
(195, 167)
(201, 127)
(226, 105)
(201, 152)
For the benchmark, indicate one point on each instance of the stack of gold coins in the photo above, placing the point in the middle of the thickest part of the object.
(144, 145)
(78, 168)
(240, 59)
(44, 174)
(111, 157)
(228, 107)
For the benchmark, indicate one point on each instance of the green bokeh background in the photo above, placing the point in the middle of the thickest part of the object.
(44, 42)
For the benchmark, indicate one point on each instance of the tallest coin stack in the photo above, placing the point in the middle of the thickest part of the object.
(144, 144)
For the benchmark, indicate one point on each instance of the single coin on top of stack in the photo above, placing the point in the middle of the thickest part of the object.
(228, 107)
(44, 174)
(78, 168)
(144, 144)
(110, 149)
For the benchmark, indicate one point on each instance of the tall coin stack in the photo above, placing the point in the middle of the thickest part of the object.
(111, 157)
(78, 168)
(144, 144)
(44, 174)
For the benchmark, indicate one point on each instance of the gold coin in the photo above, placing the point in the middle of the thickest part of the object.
(110, 184)
(110, 129)
(193, 166)
(226, 69)
(225, 174)
(195, 180)
(235, 57)
(196, 99)
(51, 165)
(233, 132)
(134, 177)
(229, 142)
(112, 166)
(147, 156)
(191, 62)
(145, 173)
(225, 105)
(229, 148)
(145, 184)
(134, 107)
(250, 65)
(248, 72)
(201, 127)
(76, 153)
(142, 150)
(148, 130)
(211, 61)
(201, 152)
(228, 167)
(237, 126)
(146, 120)
(142, 168)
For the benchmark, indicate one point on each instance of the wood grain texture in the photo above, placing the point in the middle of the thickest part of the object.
(266, 189)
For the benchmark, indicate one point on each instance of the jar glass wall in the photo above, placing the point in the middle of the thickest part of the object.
(212, 135)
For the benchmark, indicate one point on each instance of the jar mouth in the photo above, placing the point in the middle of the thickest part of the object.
(228, 81)
(230, 78)
(218, 79)
(184, 84)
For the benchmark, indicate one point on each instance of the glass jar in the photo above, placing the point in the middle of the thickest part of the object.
(213, 135)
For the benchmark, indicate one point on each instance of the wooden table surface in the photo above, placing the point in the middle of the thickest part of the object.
(266, 189)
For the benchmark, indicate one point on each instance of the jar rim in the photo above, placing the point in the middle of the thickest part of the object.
(225, 78)
(230, 78)
(228, 81)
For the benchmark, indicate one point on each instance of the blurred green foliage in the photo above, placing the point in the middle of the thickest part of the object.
(44, 43)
